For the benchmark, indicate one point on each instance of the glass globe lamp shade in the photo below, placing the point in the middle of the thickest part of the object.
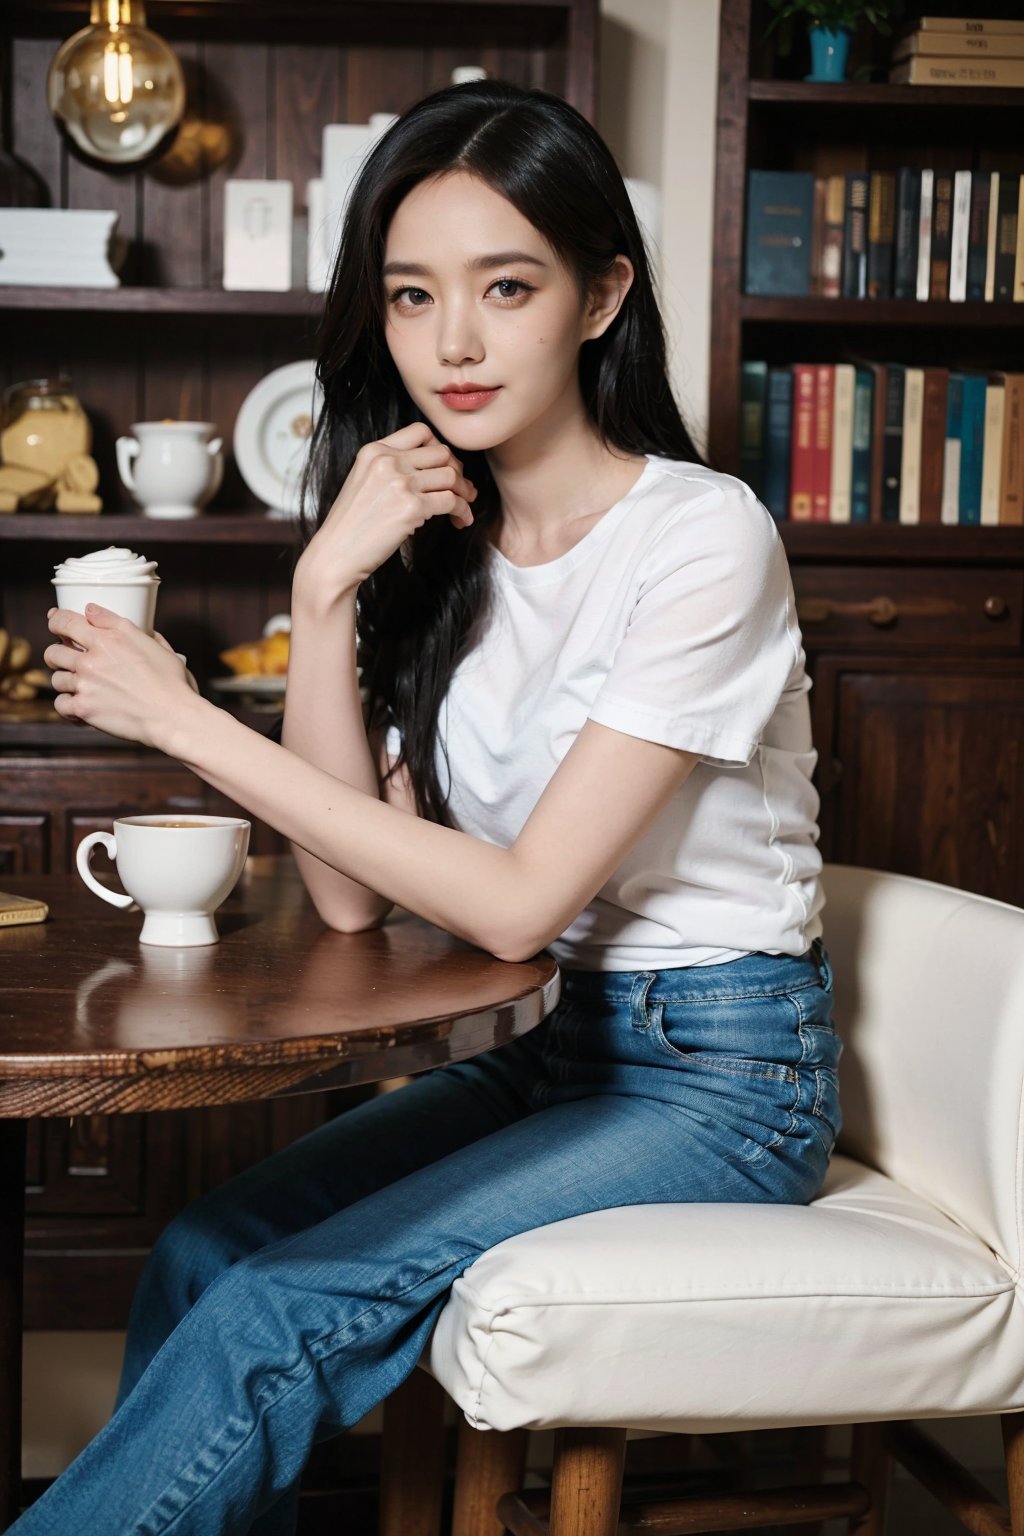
(116, 88)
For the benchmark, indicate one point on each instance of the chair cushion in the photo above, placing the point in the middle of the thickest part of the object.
(868, 1303)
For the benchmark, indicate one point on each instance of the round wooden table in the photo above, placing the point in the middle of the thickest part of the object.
(93, 1022)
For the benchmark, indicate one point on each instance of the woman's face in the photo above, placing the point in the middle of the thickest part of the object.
(457, 316)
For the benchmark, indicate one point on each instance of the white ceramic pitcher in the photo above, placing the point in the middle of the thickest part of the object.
(172, 468)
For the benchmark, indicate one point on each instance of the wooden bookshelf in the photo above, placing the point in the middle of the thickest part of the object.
(914, 635)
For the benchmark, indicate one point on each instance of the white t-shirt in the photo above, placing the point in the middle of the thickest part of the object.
(673, 620)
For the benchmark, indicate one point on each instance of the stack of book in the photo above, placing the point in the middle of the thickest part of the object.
(60, 248)
(909, 234)
(880, 442)
(947, 50)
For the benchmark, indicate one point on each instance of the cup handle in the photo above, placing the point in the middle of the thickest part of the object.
(85, 847)
(126, 450)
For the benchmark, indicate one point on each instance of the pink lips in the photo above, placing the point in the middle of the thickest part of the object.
(468, 400)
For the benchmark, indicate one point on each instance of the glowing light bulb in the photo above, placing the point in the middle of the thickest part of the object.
(116, 88)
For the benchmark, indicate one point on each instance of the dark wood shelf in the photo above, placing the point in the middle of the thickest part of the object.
(163, 301)
(38, 727)
(809, 93)
(110, 527)
(894, 312)
(880, 543)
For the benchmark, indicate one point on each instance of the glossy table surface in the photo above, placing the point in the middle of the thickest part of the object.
(92, 1020)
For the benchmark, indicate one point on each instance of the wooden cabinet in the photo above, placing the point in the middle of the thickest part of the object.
(263, 78)
(914, 635)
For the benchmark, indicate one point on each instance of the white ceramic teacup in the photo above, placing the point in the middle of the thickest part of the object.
(177, 867)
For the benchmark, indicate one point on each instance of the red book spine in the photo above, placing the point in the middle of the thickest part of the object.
(824, 395)
(801, 468)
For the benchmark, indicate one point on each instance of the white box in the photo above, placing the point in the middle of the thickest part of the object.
(345, 148)
(258, 235)
(58, 247)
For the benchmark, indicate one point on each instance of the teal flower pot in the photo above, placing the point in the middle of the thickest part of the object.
(828, 54)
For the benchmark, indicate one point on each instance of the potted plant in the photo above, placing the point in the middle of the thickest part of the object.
(830, 24)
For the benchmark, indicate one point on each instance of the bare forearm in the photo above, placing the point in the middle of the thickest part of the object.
(463, 884)
(323, 724)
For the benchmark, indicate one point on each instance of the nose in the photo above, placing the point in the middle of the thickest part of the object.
(459, 341)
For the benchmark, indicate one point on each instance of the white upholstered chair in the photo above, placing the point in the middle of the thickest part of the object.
(895, 1295)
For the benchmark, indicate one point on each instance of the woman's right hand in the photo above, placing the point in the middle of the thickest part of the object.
(394, 486)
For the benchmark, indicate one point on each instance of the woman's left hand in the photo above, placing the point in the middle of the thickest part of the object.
(119, 679)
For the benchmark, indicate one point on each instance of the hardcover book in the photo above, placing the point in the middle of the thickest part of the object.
(753, 381)
(971, 26)
(993, 237)
(924, 235)
(777, 434)
(908, 202)
(972, 450)
(954, 448)
(855, 237)
(881, 234)
(959, 45)
(832, 237)
(933, 443)
(892, 442)
(983, 71)
(801, 474)
(839, 510)
(860, 469)
(778, 243)
(1006, 239)
(824, 393)
(961, 236)
(977, 237)
(992, 451)
(942, 235)
(1011, 504)
(910, 457)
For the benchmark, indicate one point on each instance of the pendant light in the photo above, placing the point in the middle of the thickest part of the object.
(116, 88)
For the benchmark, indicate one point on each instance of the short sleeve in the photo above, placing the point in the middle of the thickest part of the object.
(710, 644)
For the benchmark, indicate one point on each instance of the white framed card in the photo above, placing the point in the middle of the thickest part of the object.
(258, 235)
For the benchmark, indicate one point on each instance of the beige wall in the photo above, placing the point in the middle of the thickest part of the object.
(659, 64)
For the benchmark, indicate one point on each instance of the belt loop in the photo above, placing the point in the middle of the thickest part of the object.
(638, 1015)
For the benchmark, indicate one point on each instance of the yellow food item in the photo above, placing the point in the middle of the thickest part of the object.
(259, 658)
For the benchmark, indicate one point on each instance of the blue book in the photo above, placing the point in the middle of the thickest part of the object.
(860, 475)
(778, 430)
(892, 442)
(973, 449)
(780, 206)
(753, 380)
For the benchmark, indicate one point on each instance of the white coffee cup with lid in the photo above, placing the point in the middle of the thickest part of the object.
(117, 579)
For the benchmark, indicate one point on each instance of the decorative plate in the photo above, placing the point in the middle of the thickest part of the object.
(257, 685)
(272, 433)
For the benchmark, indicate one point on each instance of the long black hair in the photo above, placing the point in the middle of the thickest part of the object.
(423, 609)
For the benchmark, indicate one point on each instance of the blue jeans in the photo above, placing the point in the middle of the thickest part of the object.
(279, 1309)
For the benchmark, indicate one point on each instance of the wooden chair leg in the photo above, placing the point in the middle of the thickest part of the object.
(1013, 1444)
(412, 1459)
(488, 1464)
(586, 1482)
(871, 1465)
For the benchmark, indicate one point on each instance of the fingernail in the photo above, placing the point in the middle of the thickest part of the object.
(50, 612)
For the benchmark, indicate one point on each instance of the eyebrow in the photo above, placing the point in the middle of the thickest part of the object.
(477, 264)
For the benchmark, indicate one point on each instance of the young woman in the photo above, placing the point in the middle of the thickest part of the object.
(585, 728)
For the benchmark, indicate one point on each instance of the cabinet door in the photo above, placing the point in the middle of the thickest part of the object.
(921, 765)
(101, 1187)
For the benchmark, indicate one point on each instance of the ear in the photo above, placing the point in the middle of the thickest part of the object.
(605, 297)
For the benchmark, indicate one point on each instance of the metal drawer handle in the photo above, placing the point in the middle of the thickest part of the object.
(882, 611)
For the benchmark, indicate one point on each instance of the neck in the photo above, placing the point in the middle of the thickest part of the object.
(562, 476)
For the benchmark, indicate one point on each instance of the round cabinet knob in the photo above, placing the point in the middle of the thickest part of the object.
(996, 607)
(882, 611)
